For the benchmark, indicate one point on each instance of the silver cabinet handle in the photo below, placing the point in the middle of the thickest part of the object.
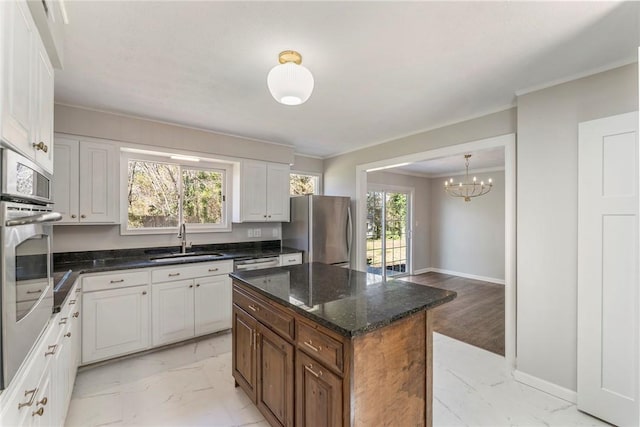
(52, 350)
(30, 402)
(34, 219)
(312, 347)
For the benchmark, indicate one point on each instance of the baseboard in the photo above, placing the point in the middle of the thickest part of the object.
(421, 271)
(465, 275)
(543, 385)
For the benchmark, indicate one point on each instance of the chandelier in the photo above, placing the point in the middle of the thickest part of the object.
(467, 189)
(290, 83)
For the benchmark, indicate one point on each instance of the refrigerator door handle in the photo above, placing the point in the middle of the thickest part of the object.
(350, 233)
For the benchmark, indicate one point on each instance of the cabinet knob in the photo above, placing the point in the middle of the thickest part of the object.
(198, 285)
(76, 314)
(191, 286)
(83, 216)
(68, 335)
(43, 401)
(39, 412)
(269, 216)
(265, 216)
(52, 350)
(144, 292)
(74, 216)
(41, 146)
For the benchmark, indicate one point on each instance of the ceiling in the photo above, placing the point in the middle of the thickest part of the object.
(480, 161)
(382, 69)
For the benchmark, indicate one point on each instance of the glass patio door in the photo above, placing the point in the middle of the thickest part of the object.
(388, 232)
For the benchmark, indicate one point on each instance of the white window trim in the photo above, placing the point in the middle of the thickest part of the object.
(226, 225)
(315, 174)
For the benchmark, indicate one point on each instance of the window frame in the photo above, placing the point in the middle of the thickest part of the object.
(316, 175)
(227, 203)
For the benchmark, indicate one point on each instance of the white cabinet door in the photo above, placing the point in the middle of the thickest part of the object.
(608, 322)
(66, 180)
(98, 178)
(212, 304)
(18, 58)
(172, 312)
(43, 125)
(254, 191)
(114, 322)
(278, 192)
(62, 383)
(43, 411)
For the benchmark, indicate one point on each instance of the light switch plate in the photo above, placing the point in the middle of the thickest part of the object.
(257, 232)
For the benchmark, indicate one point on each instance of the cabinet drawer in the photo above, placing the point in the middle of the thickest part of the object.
(270, 316)
(191, 271)
(291, 259)
(115, 280)
(321, 346)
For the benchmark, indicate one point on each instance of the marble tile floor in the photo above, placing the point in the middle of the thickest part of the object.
(191, 385)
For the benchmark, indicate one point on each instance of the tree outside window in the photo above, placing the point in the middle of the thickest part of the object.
(300, 184)
(163, 195)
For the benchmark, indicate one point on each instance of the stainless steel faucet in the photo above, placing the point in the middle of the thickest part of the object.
(182, 234)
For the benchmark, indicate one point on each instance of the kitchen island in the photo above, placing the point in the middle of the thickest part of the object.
(318, 345)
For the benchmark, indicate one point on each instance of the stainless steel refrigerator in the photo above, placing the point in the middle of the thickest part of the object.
(321, 227)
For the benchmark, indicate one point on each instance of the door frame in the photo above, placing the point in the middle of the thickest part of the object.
(400, 189)
(508, 142)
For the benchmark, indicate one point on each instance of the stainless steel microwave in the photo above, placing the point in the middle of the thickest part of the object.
(23, 180)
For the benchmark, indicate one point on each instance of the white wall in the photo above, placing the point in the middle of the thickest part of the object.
(468, 237)
(547, 217)
(421, 232)
(83, 122)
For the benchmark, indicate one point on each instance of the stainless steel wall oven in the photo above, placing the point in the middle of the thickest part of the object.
(26, 261)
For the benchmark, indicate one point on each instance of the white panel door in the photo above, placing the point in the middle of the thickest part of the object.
(66, 180)
(172, 311)
(212, 304)
(278, 192)
(98, 182)
(608, 269)
(254, 191)
(43, 125)
(114, 322)
(18, 50)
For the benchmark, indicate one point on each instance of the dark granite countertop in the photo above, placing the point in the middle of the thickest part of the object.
(69, 265)
(346, 301)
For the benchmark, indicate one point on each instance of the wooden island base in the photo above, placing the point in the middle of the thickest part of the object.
(300, 373)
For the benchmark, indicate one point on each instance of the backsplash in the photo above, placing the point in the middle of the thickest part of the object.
(76, 238)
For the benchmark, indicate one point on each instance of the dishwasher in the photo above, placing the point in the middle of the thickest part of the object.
(256, 263)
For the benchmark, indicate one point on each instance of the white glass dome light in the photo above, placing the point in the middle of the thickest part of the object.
(290, 83)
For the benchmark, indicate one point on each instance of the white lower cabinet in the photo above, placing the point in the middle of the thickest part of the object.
(187, 308)
(40, 393)
(212, 304)
(172, 311)
(115, 322)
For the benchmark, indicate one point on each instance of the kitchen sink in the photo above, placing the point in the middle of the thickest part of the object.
(187, 256)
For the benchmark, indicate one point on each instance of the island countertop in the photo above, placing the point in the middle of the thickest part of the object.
(348, 302)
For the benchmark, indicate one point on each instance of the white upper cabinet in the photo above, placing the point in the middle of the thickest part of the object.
(86, 182)
(261, 192)
(26, 86)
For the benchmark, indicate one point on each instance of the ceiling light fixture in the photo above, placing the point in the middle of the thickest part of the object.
(467, 189)
(290, 83)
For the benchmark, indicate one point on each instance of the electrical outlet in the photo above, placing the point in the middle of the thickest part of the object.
(257, 232)
(250, 232)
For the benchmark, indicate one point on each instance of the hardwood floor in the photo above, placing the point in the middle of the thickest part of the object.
(476, 316)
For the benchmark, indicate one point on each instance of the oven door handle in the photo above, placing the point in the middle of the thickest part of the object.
(35, 219)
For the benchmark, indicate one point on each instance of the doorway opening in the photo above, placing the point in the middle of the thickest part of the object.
(504, 144)
(388, 231)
